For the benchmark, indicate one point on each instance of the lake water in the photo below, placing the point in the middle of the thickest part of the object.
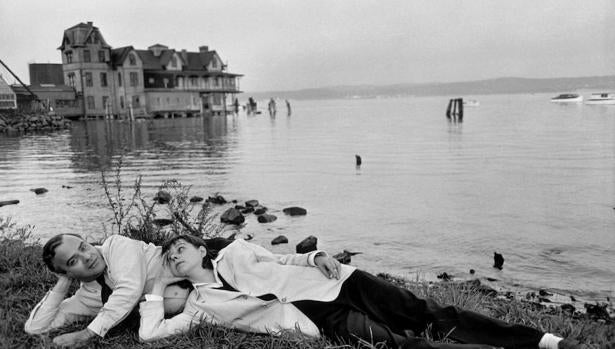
(521, 176)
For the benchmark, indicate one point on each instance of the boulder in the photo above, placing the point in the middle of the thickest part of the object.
(240, 208)
(266, 218)
(39, 191)
(247, 210)
(232, 216)
(196, 199)
(162, 197)
(279, 240)
(260, 210)
(344, 257)
(444, 276)
(597, 311)
(9, 202)
(307, 245)
(295, 211)
(251, 203)
(218, 199)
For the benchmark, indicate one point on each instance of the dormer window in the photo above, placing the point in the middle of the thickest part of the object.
(174, 62)
(132, 60)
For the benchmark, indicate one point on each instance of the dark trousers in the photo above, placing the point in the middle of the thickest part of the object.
(375, 310)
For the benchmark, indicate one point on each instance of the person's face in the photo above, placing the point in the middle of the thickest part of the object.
(183, 257)
(78, 259)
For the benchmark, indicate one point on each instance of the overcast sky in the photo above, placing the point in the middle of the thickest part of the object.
(292, 44)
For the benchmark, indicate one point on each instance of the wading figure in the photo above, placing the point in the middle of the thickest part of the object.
(272, 107)
(244, 286)
(113, 278)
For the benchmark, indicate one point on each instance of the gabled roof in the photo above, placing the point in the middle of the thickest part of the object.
(199, 60)
(77, 35)
(149, 60)
(118, 55)
(165, 57)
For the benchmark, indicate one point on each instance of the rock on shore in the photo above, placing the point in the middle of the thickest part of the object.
(11, 121)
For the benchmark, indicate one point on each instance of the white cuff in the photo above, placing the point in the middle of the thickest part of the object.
(153, 297)
(313, 256)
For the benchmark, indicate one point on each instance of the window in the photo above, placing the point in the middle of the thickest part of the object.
(132, 60)
(90, 100)
(86, 56)
(134, 79)
(105, 102)
(101, 56)
(122, 102)
(158, 101)
(103, 79)
(69, 57)
(119, 79)
(135, 101)
(173, 62)
(71, 79)
(217, 81)
(89, 82)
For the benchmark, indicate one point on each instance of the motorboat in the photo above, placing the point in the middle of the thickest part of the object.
(601, 98)
(471, 103)
(567, 98)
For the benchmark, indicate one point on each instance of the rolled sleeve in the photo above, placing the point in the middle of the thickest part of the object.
(154, 326)
(312, 256)
(53, 311)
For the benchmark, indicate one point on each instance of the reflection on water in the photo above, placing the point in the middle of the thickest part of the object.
(521, 176)
(95, 143)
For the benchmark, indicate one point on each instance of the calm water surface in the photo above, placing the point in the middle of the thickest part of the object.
(524, 177)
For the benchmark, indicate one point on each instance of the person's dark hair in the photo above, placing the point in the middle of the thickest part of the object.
(213, 246)
(49, 251)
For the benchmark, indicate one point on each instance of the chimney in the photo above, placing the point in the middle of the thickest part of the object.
(90, 23)
(185, 55)
(203, 48)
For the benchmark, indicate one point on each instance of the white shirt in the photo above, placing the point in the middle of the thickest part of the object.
(131, 269)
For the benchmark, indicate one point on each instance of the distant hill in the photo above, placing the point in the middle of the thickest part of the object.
(480, 87)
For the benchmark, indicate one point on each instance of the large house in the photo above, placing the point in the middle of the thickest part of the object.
(158, 82)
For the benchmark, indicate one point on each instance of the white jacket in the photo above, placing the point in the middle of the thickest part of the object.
(254, 271)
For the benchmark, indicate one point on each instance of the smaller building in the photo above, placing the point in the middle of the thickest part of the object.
(8, 98)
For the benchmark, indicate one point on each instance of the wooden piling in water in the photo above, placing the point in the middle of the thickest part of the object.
(454, 110)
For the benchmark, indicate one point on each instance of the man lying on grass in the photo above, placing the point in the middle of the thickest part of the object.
(246, 287)
(113, 278)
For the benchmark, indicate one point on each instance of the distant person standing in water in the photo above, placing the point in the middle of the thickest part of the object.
(289, 111)
(272, 107)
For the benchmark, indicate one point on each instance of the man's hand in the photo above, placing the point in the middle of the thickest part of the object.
(74, 338)
(328, 266)
(62, 284)
(163, 279)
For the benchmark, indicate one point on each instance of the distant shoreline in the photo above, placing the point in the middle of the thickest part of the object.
(479, 87)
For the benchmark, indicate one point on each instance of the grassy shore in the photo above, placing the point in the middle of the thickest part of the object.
(24, 280)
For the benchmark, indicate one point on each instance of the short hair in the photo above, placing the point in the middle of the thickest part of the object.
(213, 246)
(49, 250)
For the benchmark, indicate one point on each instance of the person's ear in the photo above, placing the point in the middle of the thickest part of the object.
(203, 251)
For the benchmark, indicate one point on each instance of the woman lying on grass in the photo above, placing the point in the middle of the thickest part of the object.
(244, 286)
